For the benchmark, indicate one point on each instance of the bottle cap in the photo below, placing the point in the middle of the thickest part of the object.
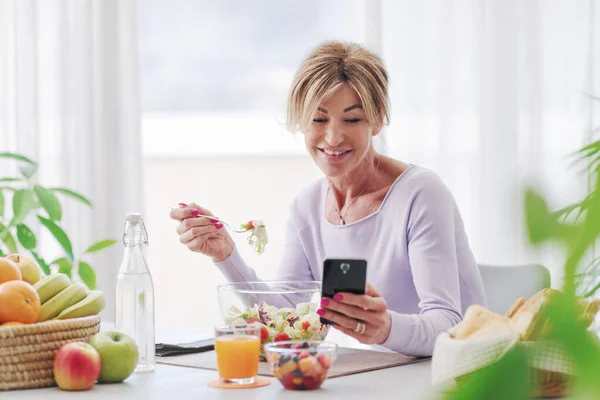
(135, 218)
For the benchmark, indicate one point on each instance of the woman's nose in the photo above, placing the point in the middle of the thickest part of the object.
(333, 135)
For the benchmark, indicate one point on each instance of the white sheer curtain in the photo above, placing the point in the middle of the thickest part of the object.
(491, 95)
(69, 99)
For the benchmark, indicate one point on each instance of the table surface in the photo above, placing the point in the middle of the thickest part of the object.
(408, 381)
(411, 381)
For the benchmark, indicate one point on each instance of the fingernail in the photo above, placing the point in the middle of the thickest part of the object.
(182, 205)
(324, 302)
(321, 311)
(195, 212)
(218, 226)
(338, 297)
(214, 221)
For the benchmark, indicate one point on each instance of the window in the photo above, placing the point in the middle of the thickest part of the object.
(214, 83)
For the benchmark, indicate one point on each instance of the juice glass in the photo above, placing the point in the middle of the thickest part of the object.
(238, 353)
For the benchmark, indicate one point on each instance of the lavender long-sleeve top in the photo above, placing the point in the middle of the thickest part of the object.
(417, 253)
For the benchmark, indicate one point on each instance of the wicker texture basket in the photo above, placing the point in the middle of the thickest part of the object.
(27, 351)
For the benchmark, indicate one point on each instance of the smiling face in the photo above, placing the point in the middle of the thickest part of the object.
(339, 136)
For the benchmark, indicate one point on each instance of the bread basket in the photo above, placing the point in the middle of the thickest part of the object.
(27, 351)
(484, 337)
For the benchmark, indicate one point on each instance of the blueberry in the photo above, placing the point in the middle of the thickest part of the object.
(297, 373)
(313, 352)
(305, 345)
(295, 358)
(283, 360)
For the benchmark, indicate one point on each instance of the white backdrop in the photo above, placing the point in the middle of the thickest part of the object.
(69, 99)
(488, 93)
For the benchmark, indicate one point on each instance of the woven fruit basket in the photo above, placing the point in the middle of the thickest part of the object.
(27, 351)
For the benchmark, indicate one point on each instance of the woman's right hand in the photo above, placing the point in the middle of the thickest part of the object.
(201, 234)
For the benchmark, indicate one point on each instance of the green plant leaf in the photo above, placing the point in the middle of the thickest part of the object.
(59, 235)
(72, 194)
(100, 245)
(49, 201)
(42, 263)
(10, 242)
(26, 237)
(65, 266)
(1, 204)
(7, 238)
(17, 157)
(23, 203)
(508, 378)
(10, 179)
(87, 275)
(541, 225)
(2, 253)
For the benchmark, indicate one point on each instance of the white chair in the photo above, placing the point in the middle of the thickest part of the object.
(504, 284)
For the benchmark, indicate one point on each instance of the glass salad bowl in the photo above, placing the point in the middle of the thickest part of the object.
(286, 310)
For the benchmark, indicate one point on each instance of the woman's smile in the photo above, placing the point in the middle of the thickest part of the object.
(332, 155)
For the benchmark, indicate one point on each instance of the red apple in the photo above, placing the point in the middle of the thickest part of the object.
(76, 366)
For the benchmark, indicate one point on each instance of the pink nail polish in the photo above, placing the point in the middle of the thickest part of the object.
(324, 302)
(214, 221)
(338, 297)
(218, 226)
(321, 312)
(195, 212)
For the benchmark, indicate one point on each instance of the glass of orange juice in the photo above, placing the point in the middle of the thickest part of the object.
(238, 353)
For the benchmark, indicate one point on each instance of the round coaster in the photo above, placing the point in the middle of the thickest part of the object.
(219, 384)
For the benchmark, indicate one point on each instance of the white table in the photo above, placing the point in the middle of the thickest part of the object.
(180, 383)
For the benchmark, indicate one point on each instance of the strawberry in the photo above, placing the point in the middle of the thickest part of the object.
(250, 225)
(280, 337)
(264, 334)
(251, 320)
(325, 361)
(305, 325)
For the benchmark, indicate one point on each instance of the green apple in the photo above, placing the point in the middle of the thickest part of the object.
(119, 354)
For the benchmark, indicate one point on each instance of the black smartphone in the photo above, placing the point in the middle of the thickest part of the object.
(339, 275)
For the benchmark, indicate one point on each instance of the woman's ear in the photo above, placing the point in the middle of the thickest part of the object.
(376, 130)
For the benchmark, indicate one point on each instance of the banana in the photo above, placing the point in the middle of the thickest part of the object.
(51, 285)
(91, 305)
(65, 299)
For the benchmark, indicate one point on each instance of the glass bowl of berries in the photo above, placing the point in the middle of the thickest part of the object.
(301, 365)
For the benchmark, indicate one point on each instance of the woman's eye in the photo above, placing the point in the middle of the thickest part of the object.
(319, 120)
(353, 120)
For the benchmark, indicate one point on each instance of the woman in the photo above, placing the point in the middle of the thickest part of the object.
(400, 217)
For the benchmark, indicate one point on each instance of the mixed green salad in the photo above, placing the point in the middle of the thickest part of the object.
(258, 238)
(279, 324)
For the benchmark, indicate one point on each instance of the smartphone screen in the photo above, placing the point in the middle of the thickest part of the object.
(339, 275)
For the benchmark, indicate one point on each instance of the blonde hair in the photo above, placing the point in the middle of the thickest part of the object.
(329, 66)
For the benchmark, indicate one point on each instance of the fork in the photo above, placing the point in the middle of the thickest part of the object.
(232, 229)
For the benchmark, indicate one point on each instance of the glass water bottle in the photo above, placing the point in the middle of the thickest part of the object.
(135, 293)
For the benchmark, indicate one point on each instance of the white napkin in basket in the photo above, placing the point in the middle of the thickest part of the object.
(453, 358)
(457, 357)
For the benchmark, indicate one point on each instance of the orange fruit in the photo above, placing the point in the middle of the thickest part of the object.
(20, 302)
(9, 271)
(12, 323)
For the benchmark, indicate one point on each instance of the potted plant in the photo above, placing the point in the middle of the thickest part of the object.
(26, 206)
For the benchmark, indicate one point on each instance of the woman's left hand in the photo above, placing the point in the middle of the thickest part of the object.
(364, 317)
